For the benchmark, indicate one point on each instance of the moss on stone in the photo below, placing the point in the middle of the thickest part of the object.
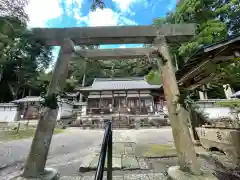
(156, 150)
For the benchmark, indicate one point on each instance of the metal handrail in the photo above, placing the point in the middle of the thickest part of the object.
(106, 147)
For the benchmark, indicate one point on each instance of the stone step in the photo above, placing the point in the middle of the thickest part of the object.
(148, 176)
(124, 162)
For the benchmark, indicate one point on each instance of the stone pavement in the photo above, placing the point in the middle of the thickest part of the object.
(124, 158)
(148, 176)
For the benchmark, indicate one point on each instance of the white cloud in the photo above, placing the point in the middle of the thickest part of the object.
(40, 11)
(73, 6)
(124, 5)
(105, 17)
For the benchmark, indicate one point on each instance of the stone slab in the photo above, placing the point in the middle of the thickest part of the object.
(157, 176)
(128, 150)
(149, 176)
(136, 177)
(142, 164)
(118, 148)
(87, 162)
(129, 162)
(117, 178)
(175, 173)
(116, 163)
(87, 178)
(93, 164)
(71, 178)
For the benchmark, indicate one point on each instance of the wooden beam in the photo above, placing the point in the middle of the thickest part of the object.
(221, 44)
(120, 53)
(196, 70)
(114, 34)
(201, 82)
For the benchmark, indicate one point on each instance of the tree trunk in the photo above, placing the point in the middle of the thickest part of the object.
(41, 142)
(186, 154)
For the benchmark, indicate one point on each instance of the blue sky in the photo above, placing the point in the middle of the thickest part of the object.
(76, 13)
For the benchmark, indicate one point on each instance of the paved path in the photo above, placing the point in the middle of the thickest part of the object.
(68, 150)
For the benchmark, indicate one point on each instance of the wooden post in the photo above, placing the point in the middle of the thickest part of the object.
(112, 102)
(140, 104)
(35, 165)
(100, 100)
(185, 150)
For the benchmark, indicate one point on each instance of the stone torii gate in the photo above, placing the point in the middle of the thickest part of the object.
(68, 37)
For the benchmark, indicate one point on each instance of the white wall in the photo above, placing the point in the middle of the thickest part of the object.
(84, 111)
(217, 112)
(65, 110)
(8, 113)
(211, 110)
(214, 111)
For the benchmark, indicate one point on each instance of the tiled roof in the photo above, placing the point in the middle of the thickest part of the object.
(237, 94)
(37, 99)
(205, 52)
(119, 84)
(29, 99)
(121, 95)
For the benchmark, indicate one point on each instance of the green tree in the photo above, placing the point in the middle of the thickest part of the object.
(22, 62)
(215, 20)
(12, 18)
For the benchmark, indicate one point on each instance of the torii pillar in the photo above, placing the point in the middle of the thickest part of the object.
(187, 157)
(35, 165)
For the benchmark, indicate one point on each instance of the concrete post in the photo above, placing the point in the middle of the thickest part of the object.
(228, 91)
(186, 154)
(137, 123)
(35, 165)
(203, 93)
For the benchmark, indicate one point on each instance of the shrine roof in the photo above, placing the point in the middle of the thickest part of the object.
(217, 53)
(132, 83)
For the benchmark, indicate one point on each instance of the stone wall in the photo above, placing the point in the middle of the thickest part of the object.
(226, 140)
(8, 112)
(6, 126)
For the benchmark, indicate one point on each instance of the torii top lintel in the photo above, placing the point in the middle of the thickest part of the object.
(114, 34)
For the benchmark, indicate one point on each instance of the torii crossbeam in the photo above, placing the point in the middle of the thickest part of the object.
(119, 53)
(114, 34)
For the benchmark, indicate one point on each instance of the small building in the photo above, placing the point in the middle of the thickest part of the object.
(123, 100)
(29, 108)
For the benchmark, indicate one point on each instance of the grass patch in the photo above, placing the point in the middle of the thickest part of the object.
(22, 134)
(156, 150)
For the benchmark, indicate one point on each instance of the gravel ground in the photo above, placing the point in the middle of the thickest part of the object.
(68, 150)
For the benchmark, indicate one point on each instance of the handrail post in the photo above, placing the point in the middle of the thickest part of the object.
(109, 156)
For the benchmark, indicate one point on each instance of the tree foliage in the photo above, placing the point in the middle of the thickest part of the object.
(22, 59)
(215, 20)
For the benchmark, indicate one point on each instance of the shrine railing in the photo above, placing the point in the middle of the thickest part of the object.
(106, 149)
